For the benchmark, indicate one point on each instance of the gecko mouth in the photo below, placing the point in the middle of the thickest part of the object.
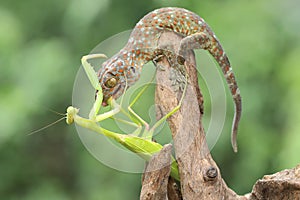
(104, 102)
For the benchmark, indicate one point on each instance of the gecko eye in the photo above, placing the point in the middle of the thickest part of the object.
(111, 82)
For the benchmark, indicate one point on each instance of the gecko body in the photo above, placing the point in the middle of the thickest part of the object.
(124, 69)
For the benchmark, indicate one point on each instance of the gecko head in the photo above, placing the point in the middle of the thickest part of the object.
(115, 77)
(112, 85)
(112, 80)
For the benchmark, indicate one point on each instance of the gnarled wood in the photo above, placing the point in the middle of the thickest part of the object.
(200, 176)
(284, 185)
(155, 180)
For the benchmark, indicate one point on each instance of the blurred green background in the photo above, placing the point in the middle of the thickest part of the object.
(41, 43)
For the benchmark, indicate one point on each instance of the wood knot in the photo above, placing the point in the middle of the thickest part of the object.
(210, 174)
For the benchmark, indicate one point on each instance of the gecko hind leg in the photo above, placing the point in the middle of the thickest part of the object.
(200, 40)
(208, 41)
(194, 41)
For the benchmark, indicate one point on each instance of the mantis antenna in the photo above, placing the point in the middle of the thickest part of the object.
(47, 126)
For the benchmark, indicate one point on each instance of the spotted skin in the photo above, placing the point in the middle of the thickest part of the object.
(142, 47)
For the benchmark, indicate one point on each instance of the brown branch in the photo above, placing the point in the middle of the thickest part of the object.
(200, 177)
(199, 174)
(283, 185)
(155, 180)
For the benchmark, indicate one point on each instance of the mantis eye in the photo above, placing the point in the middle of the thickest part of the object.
(111, 82)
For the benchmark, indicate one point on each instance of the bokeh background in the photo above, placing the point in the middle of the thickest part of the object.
(41, 43)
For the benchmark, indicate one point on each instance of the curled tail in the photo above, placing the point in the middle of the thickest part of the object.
(216, 50)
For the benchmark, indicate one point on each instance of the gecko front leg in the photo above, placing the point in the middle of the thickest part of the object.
(178, 72)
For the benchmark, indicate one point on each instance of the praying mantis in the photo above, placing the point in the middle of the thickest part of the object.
(137, 142)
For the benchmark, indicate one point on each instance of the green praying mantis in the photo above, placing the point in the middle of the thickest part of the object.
(138, 142)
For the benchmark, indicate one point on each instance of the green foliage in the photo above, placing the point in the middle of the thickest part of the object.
(41, 43)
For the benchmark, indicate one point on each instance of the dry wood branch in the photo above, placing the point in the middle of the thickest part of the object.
(200, 176)
(155, 180)
(284, 185)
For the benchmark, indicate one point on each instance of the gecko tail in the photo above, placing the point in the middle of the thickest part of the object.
(221, 58)
(236, 120)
